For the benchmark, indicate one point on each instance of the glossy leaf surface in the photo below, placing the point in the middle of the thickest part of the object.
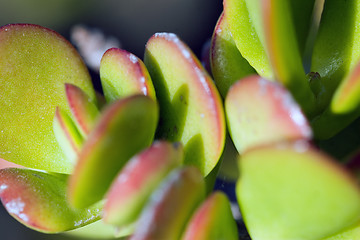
(190, 104)
(261, 112)
(124, 128)
(35, 63)
(212, 220)
(227, 63)
(123, 74)
(171, 205)
(315, 197)
(38, 200)
(246, 37)
(334, 59)
(138, 179)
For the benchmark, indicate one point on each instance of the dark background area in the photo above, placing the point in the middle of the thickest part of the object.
(133, 22)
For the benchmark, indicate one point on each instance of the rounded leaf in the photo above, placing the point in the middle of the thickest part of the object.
(35, 63)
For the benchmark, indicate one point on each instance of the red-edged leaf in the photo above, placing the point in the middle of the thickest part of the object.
(126, 127)
(6, 164)
(136, 181)
(67, 135)
(261, 112)
(171, 205)
(212, 220)
(190, 104)
(283, 49)
(123, 74)
(83, 109)
(38, 200)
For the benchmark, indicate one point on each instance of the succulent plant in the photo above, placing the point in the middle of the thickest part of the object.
(139, 159)
(89, 153)
(289, 114)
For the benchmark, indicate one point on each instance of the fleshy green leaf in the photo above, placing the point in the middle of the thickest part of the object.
(100, 230)
(212, 220)
(336, 50)
(171, 205)
(280, 41)
(83, 108)
(35, 64)
(347, 96)
(261, 112)
(38, 200)
(124, 128)
(246, 37)
(329, 123)
(123, 74)
(67, 135)
(302, 15)
(136, 181)
(190, 104)
(227, 64)
(291, 191)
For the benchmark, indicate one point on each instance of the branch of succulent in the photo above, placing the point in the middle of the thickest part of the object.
(140, 159)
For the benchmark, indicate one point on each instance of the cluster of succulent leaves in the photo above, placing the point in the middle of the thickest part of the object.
(142, 156)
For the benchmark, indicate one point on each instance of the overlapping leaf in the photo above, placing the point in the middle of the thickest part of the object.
(190, 104)
(124, 128)
(38, 200)
(35, 64)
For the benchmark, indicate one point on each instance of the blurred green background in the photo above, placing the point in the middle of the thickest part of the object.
(132, 22)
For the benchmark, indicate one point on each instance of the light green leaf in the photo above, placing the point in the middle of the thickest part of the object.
(35, 64)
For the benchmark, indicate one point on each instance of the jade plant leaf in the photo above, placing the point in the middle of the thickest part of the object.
(329, 123)
(125, 127)
(190, 104)
(280, 41)
(38, 200)
(123, 74)
(100, 230)
(171, 205)
(298, 15)
(347, 95)
(35, 64)
(67, 135)
(291, 191)
(246, 37)
(6, 164)
(212, 220)
(302, 16)
(138, 179)
(261, 112)
(227, 63)
(334, 59)
(83, 109)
